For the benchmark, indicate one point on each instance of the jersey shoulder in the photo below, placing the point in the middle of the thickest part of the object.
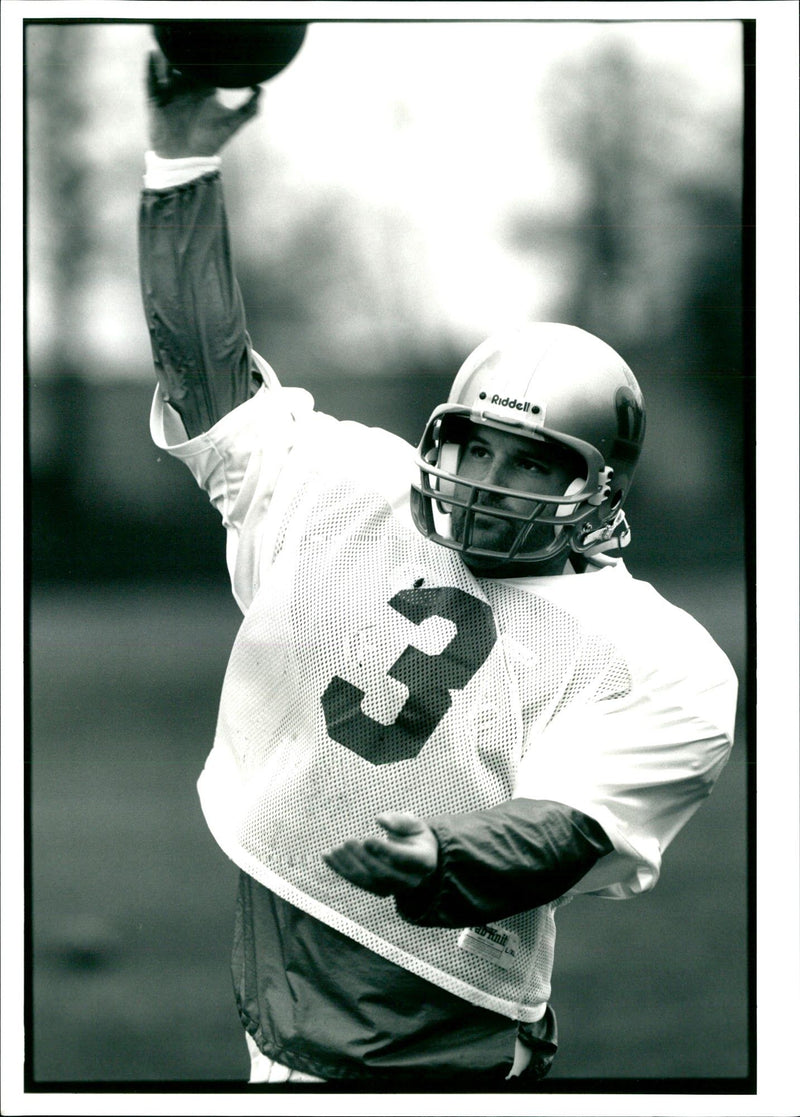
(654, 636)
(673, 630)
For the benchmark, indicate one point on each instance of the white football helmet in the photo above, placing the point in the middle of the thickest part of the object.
(569, 391)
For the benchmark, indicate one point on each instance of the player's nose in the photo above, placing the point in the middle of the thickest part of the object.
(498, 474)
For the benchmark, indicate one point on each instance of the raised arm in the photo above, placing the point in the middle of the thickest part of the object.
(192, 301)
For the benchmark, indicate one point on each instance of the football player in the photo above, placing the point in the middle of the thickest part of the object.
(449, 708)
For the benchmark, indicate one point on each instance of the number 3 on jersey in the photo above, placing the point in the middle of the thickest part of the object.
(428, 678)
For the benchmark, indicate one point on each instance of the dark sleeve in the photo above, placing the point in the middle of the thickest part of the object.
(498, 862)
(192, 302)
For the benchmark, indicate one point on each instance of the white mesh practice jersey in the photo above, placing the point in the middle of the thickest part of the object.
(373, 672)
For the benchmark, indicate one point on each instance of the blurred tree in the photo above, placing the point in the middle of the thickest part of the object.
(596, 110)
(654, 250)
(64, 231)
(58, 195)
(658, 183)
(332, 281)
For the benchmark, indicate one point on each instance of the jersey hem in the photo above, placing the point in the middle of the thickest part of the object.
(528, 1014)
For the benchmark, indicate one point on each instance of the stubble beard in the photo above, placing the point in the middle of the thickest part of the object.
(499, 535)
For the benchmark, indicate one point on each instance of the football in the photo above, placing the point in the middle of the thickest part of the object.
(229, 53)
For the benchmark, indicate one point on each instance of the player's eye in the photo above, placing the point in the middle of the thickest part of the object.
(533, 465)
(477, 450)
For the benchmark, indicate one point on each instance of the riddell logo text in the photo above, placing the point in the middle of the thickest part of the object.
(518, 405)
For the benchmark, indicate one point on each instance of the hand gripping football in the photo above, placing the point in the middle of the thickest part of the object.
(229, 53)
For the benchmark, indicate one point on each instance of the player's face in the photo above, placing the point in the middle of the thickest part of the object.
(509, 461)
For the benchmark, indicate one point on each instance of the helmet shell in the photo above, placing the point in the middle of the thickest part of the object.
(559, 378)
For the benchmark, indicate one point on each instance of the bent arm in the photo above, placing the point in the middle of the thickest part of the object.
(462, 870)
(502, 861)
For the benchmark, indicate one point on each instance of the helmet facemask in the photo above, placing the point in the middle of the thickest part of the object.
(452, 509)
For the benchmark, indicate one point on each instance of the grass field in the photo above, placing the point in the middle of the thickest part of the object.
(132, 903)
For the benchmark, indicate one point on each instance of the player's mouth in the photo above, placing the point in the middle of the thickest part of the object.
(493, 524)
(485, 529)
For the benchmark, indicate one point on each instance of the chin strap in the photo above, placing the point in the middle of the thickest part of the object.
(612, 536)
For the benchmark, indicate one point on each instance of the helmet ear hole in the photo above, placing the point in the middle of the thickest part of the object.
(616, 500)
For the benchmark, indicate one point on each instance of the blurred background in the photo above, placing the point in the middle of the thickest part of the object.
(407, 189)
